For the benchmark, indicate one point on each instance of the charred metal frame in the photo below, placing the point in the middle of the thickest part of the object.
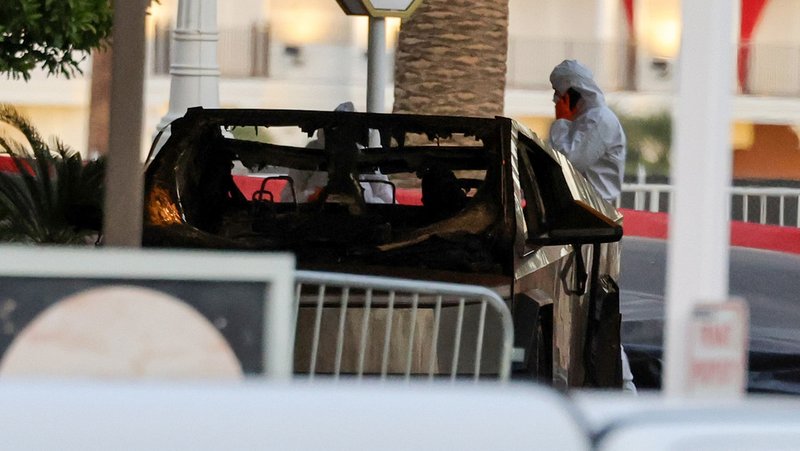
(535, 211)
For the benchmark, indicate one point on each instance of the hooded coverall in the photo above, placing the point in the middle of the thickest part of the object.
(593, 141)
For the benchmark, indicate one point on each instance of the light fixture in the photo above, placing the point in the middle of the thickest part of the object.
(664, 38)
(379, 8)
(658, 27)
(295, 53)
(378, 11)
(660, 34)
(301, 25)
(661, 66)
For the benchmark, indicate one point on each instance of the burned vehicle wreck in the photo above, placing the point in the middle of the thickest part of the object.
(456, 199)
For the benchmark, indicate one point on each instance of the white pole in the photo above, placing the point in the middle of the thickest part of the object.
(122, 207)
(698, 247)
(376, 65)
(193, 65)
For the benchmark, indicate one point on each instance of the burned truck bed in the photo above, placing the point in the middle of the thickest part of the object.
(457, 223)
(454, 199)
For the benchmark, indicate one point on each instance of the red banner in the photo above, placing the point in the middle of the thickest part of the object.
(628, 4)
(751, 12)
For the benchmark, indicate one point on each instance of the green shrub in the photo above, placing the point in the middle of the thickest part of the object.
(649, 142)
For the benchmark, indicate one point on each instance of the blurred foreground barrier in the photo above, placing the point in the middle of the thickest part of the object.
(131, 313)
(740, 430)
(399, 329)
(287, 416)
(654, 423)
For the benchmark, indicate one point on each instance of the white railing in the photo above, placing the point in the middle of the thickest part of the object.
(762, 205)
(646, 197)
(764, 198)
(391, 328)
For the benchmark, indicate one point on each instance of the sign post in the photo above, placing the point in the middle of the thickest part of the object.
(699, 227)
(378, 11)
(717, 349)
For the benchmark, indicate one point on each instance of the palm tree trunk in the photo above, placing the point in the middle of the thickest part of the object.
(100, 103)
(451, 58)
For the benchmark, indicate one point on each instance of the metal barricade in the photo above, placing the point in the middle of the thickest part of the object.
(762, 205)
(766, 205)
(367, 326)
(646, 197)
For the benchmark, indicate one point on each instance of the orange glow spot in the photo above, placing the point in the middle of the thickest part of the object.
(161, 209)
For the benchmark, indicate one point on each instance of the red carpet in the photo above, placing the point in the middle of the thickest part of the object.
(744, 234)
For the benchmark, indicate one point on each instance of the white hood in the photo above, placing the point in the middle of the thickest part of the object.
(572, 74)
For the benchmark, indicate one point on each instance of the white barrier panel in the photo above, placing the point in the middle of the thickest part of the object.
(399, 328)
(652, 422)
(294, 416)
(709, 432)
(246, 297)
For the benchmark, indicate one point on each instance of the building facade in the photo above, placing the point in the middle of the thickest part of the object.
(309, 55)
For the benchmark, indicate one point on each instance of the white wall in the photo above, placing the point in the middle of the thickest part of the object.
(241, 13)
(779, 23)
(551, 19)
(775, 44)
(543, 33)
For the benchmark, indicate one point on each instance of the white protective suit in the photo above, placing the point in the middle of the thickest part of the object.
(593, 141)
(308, 183)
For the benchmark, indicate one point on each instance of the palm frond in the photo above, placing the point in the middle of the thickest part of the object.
(53, 196)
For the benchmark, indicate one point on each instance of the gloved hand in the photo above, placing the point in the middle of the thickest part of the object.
(563, 111)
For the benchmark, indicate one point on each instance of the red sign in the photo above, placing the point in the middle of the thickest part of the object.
(718, 349)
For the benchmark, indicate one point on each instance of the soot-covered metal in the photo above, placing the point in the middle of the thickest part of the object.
(457, 199)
